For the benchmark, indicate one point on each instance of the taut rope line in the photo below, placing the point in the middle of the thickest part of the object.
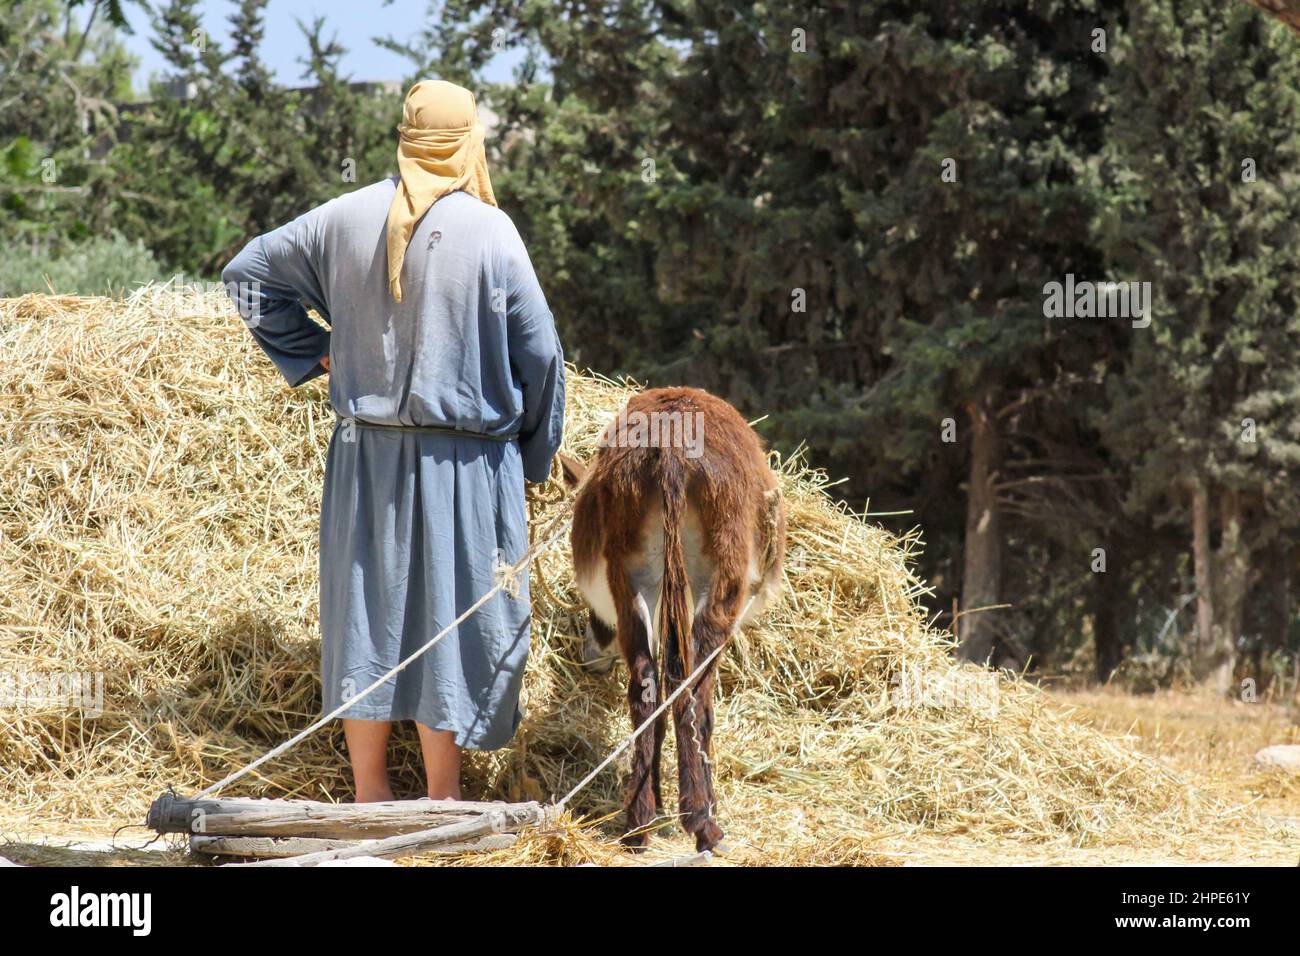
(507, 577)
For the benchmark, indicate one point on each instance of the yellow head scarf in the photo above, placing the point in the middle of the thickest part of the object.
(441, 151)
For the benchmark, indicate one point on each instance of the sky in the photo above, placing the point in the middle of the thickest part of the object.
(355, 23)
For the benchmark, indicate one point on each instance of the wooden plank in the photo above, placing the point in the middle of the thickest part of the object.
(703, 858)
(408, 844)
(263, 847)
(241, 816)
(279, 847)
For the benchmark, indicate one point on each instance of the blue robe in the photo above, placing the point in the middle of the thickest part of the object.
(413, 523)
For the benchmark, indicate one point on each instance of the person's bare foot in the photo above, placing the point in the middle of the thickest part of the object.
(374, 795)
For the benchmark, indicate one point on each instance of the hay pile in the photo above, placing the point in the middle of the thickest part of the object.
(159, 492)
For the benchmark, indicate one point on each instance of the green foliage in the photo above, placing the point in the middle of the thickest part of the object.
(242, 155)
(97, 266)
(61, 82)
(192, 177)
(1204, 96)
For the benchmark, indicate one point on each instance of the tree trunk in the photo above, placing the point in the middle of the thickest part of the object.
(1108, 643)
(1278, 623)
(1233, 579)
(982, 549)
(1204, 575)
(1221, 583)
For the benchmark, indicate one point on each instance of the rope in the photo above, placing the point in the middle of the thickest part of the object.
(506, 575)
(505, 578)
(627, 741)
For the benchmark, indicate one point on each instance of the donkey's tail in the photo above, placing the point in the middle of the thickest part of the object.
(676, 587)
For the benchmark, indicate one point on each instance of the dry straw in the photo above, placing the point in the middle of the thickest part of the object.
(159, 493)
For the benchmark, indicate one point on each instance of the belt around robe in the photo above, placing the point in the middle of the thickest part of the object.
(424, 429)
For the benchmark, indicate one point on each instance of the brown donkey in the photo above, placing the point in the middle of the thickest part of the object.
(678, 523)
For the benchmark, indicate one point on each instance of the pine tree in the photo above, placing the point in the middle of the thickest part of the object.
(1203, 204)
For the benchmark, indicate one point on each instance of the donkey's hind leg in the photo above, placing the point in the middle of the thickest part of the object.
(635, 641)
(693, 710)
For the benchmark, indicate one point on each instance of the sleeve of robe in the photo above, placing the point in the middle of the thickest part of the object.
(537, 361)
(273, 280)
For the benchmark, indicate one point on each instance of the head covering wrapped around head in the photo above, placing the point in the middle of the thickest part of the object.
(440, 152)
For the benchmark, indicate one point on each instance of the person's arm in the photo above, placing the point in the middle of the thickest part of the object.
(270, 280)
(537, 361)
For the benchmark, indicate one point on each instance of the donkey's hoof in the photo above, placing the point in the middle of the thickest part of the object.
(708, 837)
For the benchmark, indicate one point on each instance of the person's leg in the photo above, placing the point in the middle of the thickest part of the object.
(368, 750)
(441, 762)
